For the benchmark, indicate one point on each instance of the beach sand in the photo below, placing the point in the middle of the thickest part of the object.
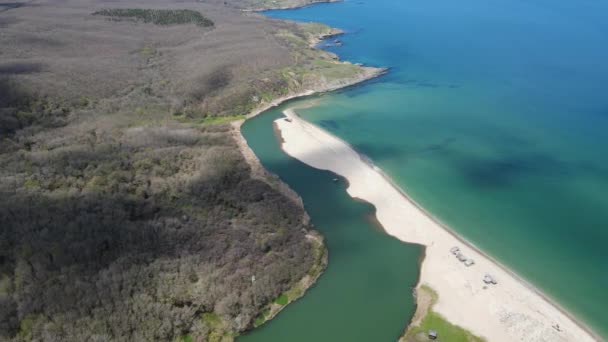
(511, 310)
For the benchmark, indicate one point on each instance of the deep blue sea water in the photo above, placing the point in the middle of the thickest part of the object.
(494, 117)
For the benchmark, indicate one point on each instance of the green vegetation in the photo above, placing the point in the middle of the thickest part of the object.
(216, 120)
(268, 4)
(148, 51)
(209, 120)
(262, 318)
(318, 29)
(126, 207)
(282, 299)
(295, 292)
(158, 17)
(446, 331)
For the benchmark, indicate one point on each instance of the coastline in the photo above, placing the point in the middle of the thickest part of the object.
(471, 245)
(295, 6)
(258, 171)
(525, 313)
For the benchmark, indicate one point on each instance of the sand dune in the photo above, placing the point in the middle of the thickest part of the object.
(511, 310)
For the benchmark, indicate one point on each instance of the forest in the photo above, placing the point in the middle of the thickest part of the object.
(137, 238)
(158, 17)
(127, 209)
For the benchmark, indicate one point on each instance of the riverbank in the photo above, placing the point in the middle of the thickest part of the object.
(509, 310)
(300, 288)
(259, 172)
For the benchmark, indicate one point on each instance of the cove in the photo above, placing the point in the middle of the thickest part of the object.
(494, 118)
(365, 294)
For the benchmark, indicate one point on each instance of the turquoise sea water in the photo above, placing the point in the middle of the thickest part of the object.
(494, 117)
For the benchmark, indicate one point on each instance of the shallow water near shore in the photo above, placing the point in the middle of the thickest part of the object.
(365, 294)
(494, 118)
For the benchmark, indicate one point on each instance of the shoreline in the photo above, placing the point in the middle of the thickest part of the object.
(543, 319)
(471, 245)
(262, 9)
(257, 169)
(464, 241)
(260, 172)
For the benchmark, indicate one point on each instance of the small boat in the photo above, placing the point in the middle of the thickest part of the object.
(334, 180)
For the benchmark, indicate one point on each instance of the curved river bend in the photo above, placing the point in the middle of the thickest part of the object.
(365, 294)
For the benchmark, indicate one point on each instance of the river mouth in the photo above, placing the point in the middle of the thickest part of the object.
(365, 293)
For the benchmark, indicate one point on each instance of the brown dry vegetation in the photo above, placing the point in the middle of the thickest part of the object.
(125, 215)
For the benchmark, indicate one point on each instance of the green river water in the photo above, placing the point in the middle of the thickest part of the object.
(365, 294)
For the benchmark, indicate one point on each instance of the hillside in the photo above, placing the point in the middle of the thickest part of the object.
(127, 210)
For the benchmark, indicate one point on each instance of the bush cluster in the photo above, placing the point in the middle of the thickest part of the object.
(158, 16)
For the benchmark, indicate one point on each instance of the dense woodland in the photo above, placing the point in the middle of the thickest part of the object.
(137, 237)
(158, 17)
(126, 213)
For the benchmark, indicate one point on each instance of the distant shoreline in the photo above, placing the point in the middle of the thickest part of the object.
(279, 8)
(294, 146)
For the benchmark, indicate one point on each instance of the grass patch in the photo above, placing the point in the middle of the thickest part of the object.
(31, 183)
(216, 120)
(317, 29)
(148, 51)
(157, 16)
(212, 320)
(261, 318)
(208, 120)
(186, 338)
(446, 331)
(282, 299)
(219, 330)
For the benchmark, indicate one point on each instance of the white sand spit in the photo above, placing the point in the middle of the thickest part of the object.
(510, 310)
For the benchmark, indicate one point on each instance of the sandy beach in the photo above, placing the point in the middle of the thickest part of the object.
(510, 310)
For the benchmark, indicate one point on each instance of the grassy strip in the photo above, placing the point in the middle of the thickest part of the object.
(209, 120)
(298, 290)
(446, 331)
(216, 120)
(157, 16)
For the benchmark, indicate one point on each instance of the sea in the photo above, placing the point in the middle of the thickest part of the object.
(493, 116)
